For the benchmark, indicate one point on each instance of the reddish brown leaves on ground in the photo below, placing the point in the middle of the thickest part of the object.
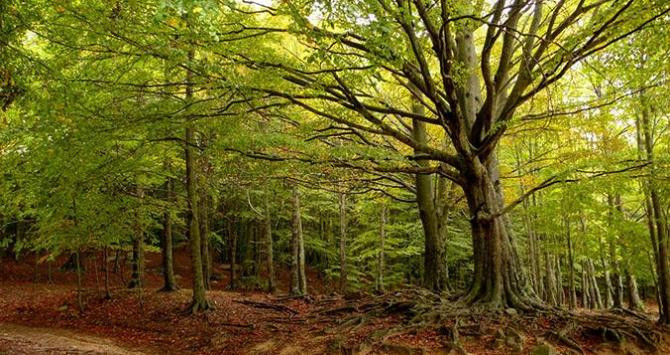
(255, 322)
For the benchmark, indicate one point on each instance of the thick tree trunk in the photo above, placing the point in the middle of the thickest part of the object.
(169, 280)
(499, 280)
(343, 243)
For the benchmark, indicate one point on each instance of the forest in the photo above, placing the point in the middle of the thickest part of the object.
(334, 177)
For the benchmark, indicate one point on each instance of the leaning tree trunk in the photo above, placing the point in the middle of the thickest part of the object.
(634, 301)
(549, 280)
(594, 289)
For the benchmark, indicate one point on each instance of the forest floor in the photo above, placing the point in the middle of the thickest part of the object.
(41, 317)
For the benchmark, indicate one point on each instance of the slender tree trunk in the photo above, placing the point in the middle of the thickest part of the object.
(560, 292)
(169, 280)
(301, 253)
(658, 213)
(105, 259)
(199, 299)
(572, 299)
(80, 291)
(137, 261)
(272, 283)
(49, 271)
(550, 281)
(642, 153)
(586, 292)
(343, 243)
(594, 289)
(616, 274)
(537, 270)
(204, 236)
(435, 267)
(380, 257)
(232, 254)
(298, 277)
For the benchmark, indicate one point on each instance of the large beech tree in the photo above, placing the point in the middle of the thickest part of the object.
(470, 66)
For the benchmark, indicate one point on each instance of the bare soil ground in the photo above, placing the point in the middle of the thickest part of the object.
(15, 339)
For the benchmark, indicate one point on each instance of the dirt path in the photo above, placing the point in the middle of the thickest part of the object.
(16, 339)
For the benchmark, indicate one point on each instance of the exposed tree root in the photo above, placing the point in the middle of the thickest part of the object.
(199, 307)
(422, 309)
(276, 307)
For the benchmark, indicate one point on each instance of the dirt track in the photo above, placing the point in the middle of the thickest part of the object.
(15, 339)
